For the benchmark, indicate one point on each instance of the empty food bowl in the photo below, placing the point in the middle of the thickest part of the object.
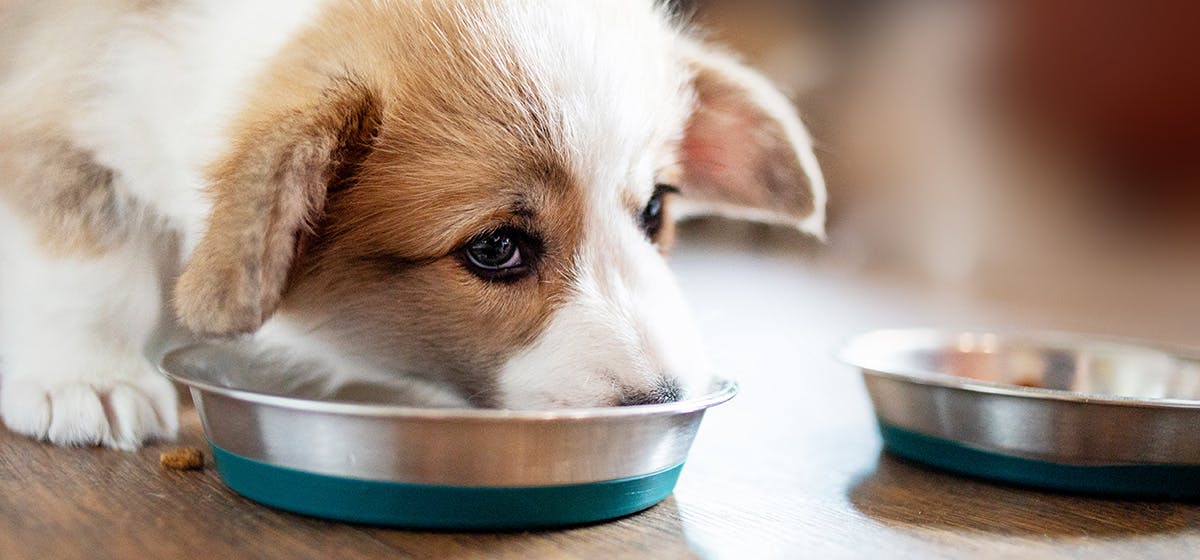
(1053, 410)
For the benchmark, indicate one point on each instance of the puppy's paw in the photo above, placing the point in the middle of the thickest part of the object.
(122, 412)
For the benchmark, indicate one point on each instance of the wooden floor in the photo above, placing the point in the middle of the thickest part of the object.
(790, 468)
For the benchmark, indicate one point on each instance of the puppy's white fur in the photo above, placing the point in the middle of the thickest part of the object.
(72, 332)
(178, 77)
(149, 93)
(624, 328)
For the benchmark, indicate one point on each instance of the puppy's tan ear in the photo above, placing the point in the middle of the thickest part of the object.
(267, 193)
(745, 152)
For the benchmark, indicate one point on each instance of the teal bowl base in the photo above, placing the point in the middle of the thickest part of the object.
(425, 506)
(1155, 481)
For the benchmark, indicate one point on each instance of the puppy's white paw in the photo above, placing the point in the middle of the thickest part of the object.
(120, 412)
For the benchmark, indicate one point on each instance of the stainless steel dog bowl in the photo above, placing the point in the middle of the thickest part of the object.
(1052, 410)
(434, 467)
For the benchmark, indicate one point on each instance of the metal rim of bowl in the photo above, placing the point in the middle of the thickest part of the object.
(852, 349)
(169, 366)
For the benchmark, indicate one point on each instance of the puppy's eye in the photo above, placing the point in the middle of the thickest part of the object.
(652, 215)
(499, 255)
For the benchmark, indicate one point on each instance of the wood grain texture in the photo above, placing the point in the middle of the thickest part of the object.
(789, 468)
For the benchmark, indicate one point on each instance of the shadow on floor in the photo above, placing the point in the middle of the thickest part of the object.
(899, 493)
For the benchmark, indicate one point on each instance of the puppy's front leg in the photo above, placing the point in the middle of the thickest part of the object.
(73, 324)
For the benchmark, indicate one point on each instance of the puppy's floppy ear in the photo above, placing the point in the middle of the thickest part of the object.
(745, 152)
(267, 193)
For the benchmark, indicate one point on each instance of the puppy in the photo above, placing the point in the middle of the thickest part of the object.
(470, 197)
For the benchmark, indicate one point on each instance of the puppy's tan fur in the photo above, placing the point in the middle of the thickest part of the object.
(419, 158)
(369, 178)
(64, 193)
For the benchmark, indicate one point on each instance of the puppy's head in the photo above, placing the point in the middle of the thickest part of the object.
(482, 194)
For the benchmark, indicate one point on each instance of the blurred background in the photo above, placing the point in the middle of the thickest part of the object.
(1034, 156)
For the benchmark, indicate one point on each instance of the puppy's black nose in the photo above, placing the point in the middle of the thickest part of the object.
(667, 390)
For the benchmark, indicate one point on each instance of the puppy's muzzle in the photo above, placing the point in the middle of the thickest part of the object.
(665, 391)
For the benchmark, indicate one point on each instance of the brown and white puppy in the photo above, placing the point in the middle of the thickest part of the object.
(471, 198)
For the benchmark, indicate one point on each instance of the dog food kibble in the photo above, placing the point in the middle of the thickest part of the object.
(182, 459)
